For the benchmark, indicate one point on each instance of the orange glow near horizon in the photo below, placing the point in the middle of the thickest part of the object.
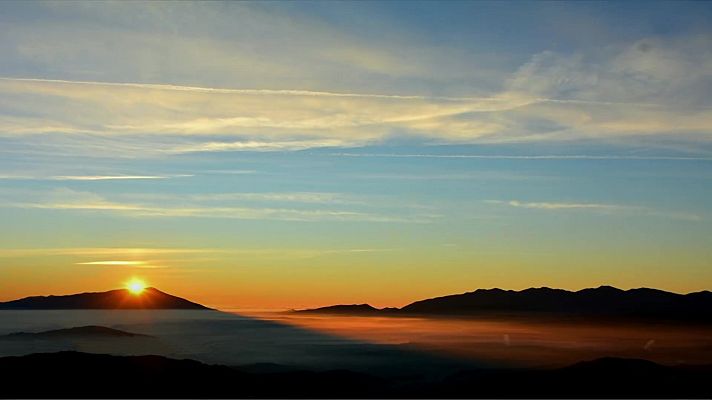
(265, 285)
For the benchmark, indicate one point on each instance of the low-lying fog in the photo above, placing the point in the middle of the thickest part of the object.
(213, 337)
(376, 344)
(519, 342)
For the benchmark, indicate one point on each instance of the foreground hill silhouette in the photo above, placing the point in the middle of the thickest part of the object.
(85, 375)
(601, 302)
(82, 375)
(120, 299)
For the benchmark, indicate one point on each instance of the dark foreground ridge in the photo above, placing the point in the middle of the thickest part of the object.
(601, 302)
(83, 375)
(120, 299)
(90, 331)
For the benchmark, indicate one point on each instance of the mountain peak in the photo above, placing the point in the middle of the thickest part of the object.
(117, 299)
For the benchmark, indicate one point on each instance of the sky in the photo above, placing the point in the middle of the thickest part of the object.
(299, 154)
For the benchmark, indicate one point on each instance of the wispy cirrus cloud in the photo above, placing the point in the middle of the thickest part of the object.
(113, 262)
(252, 197)
(325, 88)
(299, 197)
(124, 263)
(560, 206)
(90, 177)
(261, 119)
(265, 92)
(599, 207)
(177, 258)
(536, 104)
(527, 157)
(104, 251)
(71, 200)
(115, 177)
(252, 145)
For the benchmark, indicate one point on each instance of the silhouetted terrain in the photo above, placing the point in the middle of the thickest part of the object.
(121, 299)
(600, 378)
(81, 375)
(88, 339)
(91, 331)
(345, 309)
(602, 302)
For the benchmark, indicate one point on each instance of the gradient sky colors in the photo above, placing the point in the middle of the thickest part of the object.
(307, 153)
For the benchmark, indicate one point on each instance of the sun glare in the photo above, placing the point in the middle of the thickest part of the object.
(136, 286)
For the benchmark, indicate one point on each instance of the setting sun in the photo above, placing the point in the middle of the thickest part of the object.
(136, 286)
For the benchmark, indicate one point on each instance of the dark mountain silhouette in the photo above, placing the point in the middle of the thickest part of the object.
(91, 331)
(601, 302)
(122, 299)
(82, 375)
(345, 309)
(600, 378)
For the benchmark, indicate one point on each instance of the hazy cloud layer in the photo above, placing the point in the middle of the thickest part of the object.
(195, 77)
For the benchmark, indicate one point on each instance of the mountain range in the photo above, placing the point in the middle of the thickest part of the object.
(601, 302)
(120, 299)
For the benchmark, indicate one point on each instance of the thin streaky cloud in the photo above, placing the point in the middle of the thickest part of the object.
(291, 145)
(526, 157)
(298, 197)
(105, 251)
(91, 177)
(105, 177)
(480, 175)
(293, 92)
(172, 256)
(113, 262)
(283, 92)
(121, 263)
(230, 171)
(599, 207)
(561, 206)
(247, 213)
(308, 198)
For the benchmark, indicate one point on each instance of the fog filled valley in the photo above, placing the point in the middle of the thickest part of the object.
(212, 337)
(355, 342)
(520, 342)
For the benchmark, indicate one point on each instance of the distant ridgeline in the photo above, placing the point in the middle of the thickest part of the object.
(121, 299)
(80, 332)
(601, 302)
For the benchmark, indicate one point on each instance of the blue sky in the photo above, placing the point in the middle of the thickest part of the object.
(256, 150)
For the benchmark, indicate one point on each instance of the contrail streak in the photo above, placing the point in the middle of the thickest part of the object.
(294, 92)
